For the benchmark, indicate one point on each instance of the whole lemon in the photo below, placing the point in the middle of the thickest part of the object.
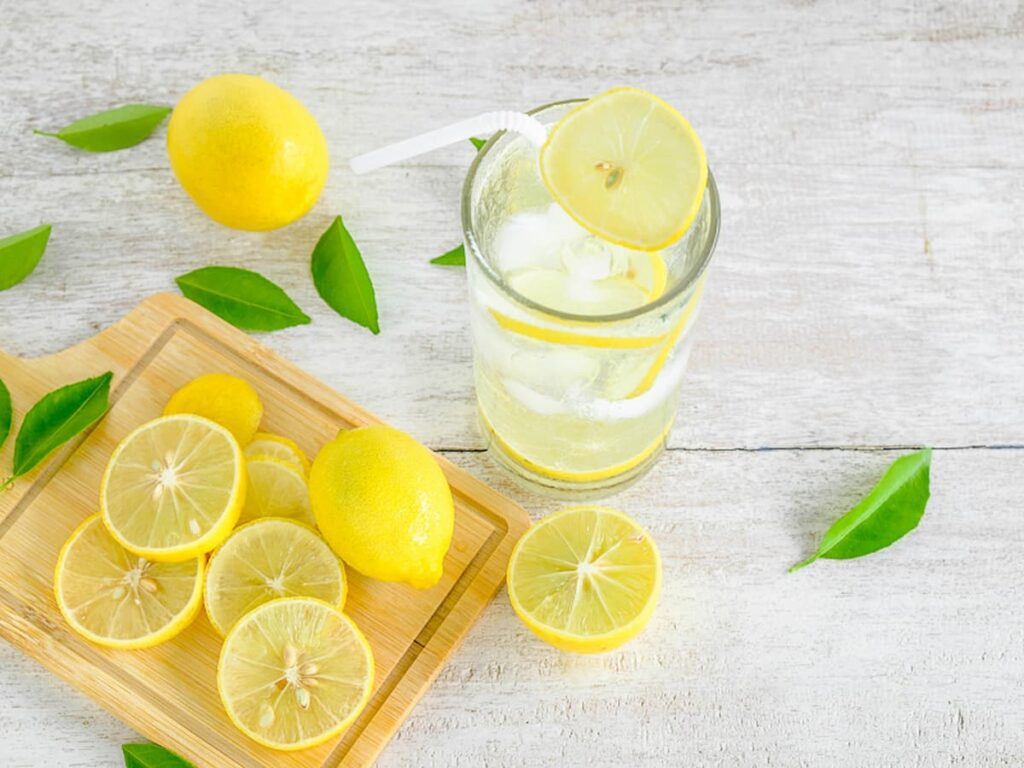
(382, 503)
(247, 152)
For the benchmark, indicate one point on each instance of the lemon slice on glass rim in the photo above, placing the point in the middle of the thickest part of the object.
(627, 167)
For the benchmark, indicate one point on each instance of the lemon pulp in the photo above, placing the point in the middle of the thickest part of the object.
(267, 444)
(173, 488)
(585, 579)
(294, 672)
(118, 599)
(268, 559)
(277, 488)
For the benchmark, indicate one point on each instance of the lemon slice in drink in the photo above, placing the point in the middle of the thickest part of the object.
(267, 444)
(277, 488)
(268, 559)
(173, 489)
(628, 167)
(585, 579)
(294, 673)
(118, 599)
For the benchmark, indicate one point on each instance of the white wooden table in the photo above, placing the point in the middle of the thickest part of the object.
(866, 296)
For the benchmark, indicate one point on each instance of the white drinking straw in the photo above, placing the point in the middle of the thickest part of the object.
(484, 124)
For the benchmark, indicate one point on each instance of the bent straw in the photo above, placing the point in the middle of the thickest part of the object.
(487, 123)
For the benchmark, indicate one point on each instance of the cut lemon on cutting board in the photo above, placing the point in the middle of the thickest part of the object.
(173, 489)
(268, 559)
(115, 598)
(628, 167)
(227, 400)
(267, 444)
(277, 488)
(294, 673)
(585, 579)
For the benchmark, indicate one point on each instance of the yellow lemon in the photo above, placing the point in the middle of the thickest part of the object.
(383, 504)
(118, 599)
(585, 579)
(247, 152)
(268, 559)
(628, 167)
(227, 400)
(174, 488)
(294, 673)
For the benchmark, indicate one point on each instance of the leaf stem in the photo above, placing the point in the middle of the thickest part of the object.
(45, 133)
(803, 563)
(7, 484)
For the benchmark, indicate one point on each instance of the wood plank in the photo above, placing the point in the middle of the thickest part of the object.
(909, 657)
(826, 321)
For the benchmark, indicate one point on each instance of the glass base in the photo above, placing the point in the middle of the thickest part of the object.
(560, 488)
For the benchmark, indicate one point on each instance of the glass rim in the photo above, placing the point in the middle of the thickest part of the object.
(476, 252)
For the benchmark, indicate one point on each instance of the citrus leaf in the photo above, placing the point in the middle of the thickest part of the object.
(117, 128)
(20, 253)
(478, 143)
(456, 257)
(151, 756)
(5, 413)
(245, 299)
(341, 279)
(892, 509)
(57, 418)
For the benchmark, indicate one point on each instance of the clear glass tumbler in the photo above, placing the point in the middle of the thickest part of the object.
(575, 402)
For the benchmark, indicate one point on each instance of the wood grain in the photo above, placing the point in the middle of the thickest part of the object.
(866, 292)
(169, 692)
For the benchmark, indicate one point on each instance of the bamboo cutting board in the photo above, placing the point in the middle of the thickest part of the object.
(168, 693)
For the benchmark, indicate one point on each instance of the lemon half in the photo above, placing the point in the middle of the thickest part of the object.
(628, 167)
(173, 488)
(294, 673)
(585, 579)
(268, 559)
(228, 400)
(118, 599)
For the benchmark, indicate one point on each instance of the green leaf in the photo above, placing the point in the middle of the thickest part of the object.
(892, 509)
(117, 128)
(341, 279)
(245, 299)
(57, 418)
(5, 413)
(20, 253)
(456, 257)
(478, 143)
(152, 756)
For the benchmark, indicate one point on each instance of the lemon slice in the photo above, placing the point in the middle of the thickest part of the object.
(294, 673)
(227, 400)
(268, 559)
(267, 444)
(173, 489)
(585, 579)
(277, 488)
(118, 599)
(628, 167)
